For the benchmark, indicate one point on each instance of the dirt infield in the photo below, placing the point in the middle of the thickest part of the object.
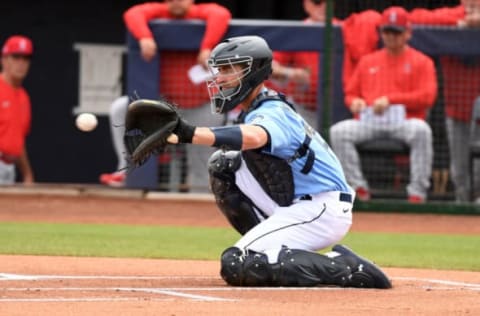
(36, 285)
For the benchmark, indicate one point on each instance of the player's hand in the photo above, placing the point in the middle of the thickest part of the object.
(357, 105)
(172, 139)
(295, 74)
(380, 105)
(148, 48)
(300, 76)
(473, 19)
(203, 56)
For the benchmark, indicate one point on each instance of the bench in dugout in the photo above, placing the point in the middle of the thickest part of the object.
(386, 166)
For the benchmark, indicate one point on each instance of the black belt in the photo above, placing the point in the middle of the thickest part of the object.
(343, 197)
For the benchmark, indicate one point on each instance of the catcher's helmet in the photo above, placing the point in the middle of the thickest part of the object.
(255, 58)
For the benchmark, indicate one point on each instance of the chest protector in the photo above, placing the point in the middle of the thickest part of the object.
(272, 173)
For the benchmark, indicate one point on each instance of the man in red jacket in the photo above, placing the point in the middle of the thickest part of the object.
(175, 84)
(15, 112)
(461, 82)
(296, 73)
(390, 93)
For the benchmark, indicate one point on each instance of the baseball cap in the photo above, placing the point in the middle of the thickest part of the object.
(17, 44)
(395, 19)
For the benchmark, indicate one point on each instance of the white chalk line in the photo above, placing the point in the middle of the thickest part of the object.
(450, 288)
(181, 292)
(76, 299)
(436, 281)
(163, 291)
(25, 277)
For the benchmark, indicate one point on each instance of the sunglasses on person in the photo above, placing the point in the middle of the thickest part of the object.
(21, 56)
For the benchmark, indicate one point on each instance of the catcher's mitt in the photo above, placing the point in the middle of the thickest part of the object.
(147, 127)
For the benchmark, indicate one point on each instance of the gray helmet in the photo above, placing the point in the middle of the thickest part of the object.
(255, 58)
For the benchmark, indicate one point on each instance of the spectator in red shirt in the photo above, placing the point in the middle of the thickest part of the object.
(296, 73)
(390, 93)
(15, 112)
(461, 82)
(175, 84)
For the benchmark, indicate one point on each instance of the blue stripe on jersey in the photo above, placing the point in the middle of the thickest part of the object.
(287, 133)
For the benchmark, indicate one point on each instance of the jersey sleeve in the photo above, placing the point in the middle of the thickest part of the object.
(281, 127)
(424, 95)
(136, 18)
(353, 85)
(217, 19)
(441, 16)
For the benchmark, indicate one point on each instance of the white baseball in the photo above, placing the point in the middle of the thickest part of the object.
(86, 122)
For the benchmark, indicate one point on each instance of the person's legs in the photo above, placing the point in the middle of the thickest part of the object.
(117, 115)
(197, 156)
(458, 133)
(418, 135)
(475, 136)
(297, 267)
(344, 135)
(280, 249)
(7, 173)
(306, 224)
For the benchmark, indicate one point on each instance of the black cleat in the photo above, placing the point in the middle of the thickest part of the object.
(364, 272)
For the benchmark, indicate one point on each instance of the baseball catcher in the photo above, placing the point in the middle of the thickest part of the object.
(274, 177)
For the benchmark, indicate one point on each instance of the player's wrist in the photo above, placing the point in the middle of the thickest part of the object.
(184, 131)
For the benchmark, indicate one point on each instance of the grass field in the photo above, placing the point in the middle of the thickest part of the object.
(432, 251)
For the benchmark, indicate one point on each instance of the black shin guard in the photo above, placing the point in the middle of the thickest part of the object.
(305, 268)
(364, 272)
(293, 268)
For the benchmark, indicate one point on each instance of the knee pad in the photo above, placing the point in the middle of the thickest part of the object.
(222, 166)
(236, 206)
(245, 269)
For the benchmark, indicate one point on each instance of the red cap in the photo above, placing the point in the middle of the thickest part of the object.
(17, 44)
(395, 19)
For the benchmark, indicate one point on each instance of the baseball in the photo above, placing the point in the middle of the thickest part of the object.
(86, 122)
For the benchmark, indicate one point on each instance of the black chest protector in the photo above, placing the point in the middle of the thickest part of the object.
(272, 173)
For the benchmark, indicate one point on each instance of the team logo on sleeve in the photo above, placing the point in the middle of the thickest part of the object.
(257, 119)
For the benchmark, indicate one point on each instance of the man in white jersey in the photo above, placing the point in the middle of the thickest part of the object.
(276, 180)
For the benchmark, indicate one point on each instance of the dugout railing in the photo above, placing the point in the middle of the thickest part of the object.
(142, 78)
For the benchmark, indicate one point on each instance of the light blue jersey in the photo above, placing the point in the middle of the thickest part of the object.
(287, 132)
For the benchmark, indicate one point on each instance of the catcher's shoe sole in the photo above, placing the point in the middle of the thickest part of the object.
(380, 280)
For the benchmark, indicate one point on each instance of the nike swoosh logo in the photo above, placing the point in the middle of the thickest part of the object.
(346, 210)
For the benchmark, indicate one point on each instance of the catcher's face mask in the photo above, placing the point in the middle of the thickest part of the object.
(226, 87)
